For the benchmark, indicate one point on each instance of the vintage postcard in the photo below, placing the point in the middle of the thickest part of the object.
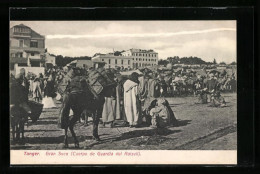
(123, 92)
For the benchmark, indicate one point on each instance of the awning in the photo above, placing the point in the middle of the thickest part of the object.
(37, 60)
(31, 51)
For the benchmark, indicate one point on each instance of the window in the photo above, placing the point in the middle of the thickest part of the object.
(145, 59)
(152, 55)
(122, 61)
(19, 55)
(32, 54)
(12, 55)
(133, 58)
(109, 61)
(149, 59)
(128, 62)
(102, 59)
(20, 43)
(115, 61)
(140, 59)
(34, 44)
(136, 59)
(140, 54)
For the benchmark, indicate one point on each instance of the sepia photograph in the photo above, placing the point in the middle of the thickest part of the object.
(77, 86)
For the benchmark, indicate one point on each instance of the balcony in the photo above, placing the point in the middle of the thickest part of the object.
(28, 49)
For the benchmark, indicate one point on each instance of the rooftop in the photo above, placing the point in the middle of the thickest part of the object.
(33, 33)
(142, 51)
(110, 55)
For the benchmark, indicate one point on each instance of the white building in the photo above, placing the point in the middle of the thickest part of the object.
(112, 61)
(81, 63)
(142, 58)
(49, 59)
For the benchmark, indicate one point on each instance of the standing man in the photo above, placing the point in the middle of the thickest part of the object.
(211, 85)
(131, 100)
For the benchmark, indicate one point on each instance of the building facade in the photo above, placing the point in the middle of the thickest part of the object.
(81, 63)
(50, 60)
(142, 58)
(112, 61)
(27, 47)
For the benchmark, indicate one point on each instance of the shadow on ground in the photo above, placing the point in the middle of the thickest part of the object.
(42, 130)
(180, 123)
(44, 122)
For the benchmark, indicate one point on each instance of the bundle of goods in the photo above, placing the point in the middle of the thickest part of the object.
(98, 80)
(36, 109)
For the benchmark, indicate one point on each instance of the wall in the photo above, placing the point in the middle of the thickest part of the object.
(51, 59)
(36, 56)
(88, 63)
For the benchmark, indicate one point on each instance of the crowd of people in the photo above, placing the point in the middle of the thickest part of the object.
(138, 97)
(134, 94)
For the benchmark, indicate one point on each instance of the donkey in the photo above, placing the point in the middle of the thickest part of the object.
(19, 109)
(84, 99)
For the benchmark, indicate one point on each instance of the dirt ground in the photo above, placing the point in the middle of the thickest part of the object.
(199, 128)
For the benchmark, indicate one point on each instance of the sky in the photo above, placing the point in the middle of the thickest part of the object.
(204, 39)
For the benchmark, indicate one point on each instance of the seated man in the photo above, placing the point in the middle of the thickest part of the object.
(203, 99)
(217, 100)
(162, 114)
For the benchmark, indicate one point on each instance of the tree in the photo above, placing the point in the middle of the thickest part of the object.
(163, 62)
(214, 61)
(233, 63)
(222, 63)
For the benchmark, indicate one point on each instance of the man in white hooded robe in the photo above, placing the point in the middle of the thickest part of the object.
(131, 100)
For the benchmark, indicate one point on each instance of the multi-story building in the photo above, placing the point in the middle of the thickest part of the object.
(27, 47)
(112, 61)
(142, 58)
